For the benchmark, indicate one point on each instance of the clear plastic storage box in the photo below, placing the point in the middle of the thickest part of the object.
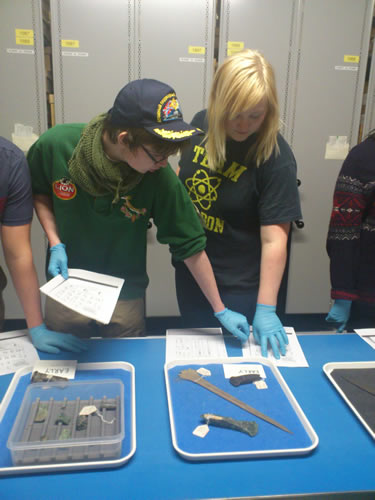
(69, 421)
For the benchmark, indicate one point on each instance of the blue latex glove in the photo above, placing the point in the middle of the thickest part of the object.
(339, 313)
(235, 323)
(58, 261)
(50, 341)
(268, 328)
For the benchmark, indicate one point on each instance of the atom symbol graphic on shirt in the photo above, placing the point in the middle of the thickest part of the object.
(203, 189)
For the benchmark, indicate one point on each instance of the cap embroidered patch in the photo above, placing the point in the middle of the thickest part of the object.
(172, 134)
(169, 109)
(64, 189)
(151, 104)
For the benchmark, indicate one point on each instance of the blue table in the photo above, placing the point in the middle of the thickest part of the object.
(344, 460)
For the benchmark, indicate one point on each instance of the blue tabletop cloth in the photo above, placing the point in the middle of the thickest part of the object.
(343, 461)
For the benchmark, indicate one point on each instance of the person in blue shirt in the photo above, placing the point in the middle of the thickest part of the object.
(16, 213)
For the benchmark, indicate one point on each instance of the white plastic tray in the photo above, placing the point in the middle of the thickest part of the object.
(187, 401)
(10, 406)
(328, 368)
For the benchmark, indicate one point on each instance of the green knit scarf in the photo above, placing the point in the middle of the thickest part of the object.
(93, 171)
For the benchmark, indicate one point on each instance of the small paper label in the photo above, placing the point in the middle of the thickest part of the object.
(234, 370)
(192, 59)
(21, 51)
(204, 372)
(74, 54)
(351, 59)
(24, 41)
(196, 50)
(236, 45)
(25, 33)
(57, 368)
(346, 68)
(74, 44)
(24, 37)
(337, 147)
(260, 384)
(201, 431)
(88, 410)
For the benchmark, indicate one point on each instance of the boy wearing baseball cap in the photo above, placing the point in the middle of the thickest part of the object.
(97, 186)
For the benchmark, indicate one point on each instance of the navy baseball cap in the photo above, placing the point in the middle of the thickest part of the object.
(154, 106)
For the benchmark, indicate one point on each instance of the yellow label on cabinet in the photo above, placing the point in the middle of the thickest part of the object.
(231, 52)
(70, 43)
(24, 37)
(24, 41)
(236, 46)
(24, 33)
(352, 59)
(196, 50)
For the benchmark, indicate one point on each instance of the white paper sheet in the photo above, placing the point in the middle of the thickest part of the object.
(195, 343)
(209, 343)
(368, 335)
(294, 354)
(16, 351)
(91, 294)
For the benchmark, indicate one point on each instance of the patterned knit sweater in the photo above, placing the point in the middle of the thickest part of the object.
(351, 234)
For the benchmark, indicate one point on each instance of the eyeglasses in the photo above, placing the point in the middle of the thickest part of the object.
(152, 157)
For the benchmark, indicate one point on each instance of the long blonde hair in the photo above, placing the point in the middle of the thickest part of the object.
(240, 83)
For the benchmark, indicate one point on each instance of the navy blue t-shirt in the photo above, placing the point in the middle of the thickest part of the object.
(16, 202)
(235, 201)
